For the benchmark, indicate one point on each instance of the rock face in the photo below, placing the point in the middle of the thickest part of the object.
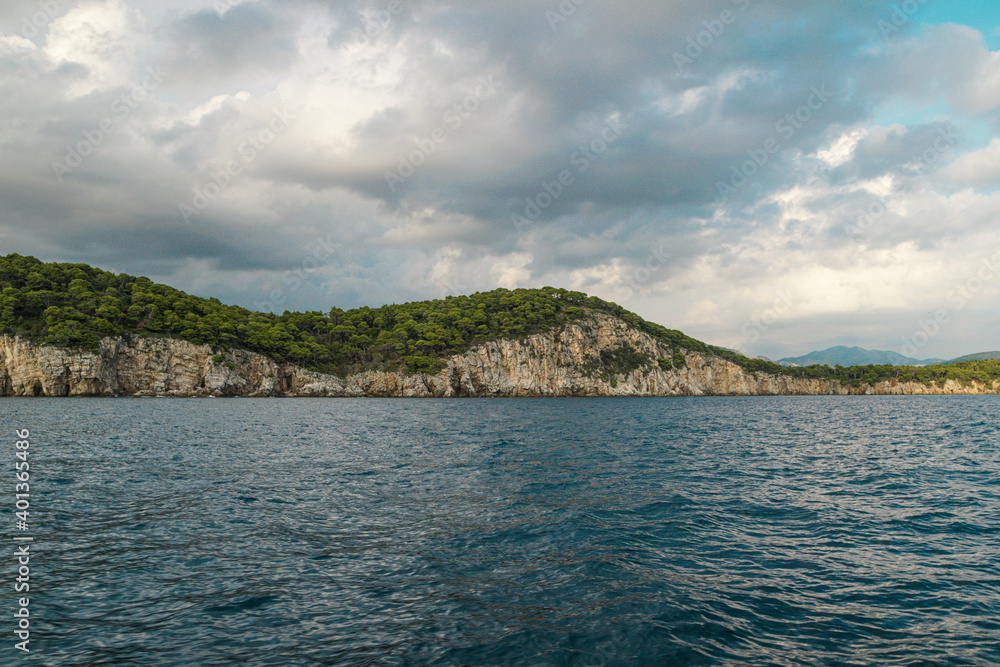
(558, 363)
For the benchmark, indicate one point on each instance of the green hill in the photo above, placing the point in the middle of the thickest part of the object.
(981, 356)
(75, 305)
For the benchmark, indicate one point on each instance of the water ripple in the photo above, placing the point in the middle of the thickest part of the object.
(775, 531)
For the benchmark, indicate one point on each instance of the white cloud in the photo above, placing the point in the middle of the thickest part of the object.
(981, 91)
(15, 46)
(946, 61)
(510, 272)
(842, 148)
(103, 37)
(980, 168)
(216, 104)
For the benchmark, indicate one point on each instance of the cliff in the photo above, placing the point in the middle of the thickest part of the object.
(565, 361)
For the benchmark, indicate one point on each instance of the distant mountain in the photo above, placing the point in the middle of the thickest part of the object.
(744, 354)
(982, 356)
(855, 356)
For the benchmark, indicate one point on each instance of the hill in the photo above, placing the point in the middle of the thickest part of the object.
(79, 307)
(855, 356)
(981, 356)
(76, 305)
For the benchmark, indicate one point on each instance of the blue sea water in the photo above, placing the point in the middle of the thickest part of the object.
(692, 531)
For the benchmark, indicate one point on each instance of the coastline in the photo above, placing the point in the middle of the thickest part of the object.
(558, 363)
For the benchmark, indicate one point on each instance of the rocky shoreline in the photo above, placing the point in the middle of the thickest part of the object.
(551, 364)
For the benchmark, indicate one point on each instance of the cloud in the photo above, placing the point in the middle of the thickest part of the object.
(248, 37)
(978, 168)
(484, 111)
(949, 62)
(101, 37)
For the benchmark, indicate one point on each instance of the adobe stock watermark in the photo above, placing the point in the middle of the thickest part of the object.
(453, 118)
(121, 108)
(374, 25)
(22, 504)
(320, 253)
(902, 14)
(48, 10)
(761, 323)
(581, 159)
(785, 128)
(655, 261)
(567, 8)
(958, 298)
(248, 150)
(941, 146)
(700, 42)
(867, 217)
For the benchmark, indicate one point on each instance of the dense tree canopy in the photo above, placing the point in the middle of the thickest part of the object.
(76, 305)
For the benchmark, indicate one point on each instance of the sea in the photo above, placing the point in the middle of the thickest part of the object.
(650, 531)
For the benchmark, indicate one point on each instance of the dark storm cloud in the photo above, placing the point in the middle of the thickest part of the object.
(248, 37)
(603, 60)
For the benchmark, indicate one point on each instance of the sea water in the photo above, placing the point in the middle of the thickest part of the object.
(687, 531)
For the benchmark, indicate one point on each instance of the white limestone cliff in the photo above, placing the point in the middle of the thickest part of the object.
(549, 364)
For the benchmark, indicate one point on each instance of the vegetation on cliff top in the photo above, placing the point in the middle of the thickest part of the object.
(75, 305)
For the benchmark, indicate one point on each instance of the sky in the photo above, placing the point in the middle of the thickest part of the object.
(771, 176)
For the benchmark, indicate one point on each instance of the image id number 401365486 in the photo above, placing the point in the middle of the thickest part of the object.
(22, 541)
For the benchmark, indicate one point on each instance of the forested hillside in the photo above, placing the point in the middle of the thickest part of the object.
(75, 305)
